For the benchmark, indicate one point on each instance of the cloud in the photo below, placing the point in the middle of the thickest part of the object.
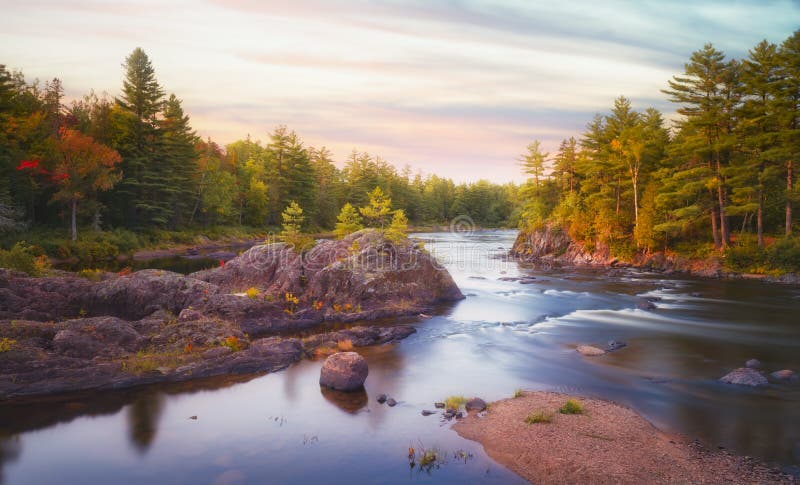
(449, 86)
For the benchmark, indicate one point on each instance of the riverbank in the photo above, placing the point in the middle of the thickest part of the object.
(551, 247)
(603, 443)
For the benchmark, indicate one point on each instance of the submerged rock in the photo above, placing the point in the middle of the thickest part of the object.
(589, 350)
(382, 398)
(646, 305)
(391, 402)
(439, 405)
(425, 412)
(784, 375)
(615, 345)
(344, 371)
(745, 376)
(753, 364)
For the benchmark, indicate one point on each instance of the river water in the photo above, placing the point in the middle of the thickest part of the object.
(281, 428)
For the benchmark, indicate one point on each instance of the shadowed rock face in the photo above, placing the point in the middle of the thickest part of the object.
(73, 334)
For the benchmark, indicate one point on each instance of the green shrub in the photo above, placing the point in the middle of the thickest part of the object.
(539, 417)
(454, 402)
(571, 407)
(25, 258)
(785, 255)
(518, 393)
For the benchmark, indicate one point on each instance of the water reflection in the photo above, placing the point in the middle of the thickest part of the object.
(143, 417)
(10, 450)
(349, 402)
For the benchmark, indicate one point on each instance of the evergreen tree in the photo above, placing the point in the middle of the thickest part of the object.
(140, 197)
(348, 221)
(379, 207)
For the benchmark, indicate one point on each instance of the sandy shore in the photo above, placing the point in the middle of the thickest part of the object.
(608, 443)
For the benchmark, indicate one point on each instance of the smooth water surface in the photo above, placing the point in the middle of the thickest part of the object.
(282, 428)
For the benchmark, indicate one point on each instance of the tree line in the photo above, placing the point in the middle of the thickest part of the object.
(723, 174)
(134, 161)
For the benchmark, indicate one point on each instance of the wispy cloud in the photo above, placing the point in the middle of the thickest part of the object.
(450, 87)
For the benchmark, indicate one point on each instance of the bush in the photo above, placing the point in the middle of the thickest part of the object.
(540, 417)
(252, 293)
(571, 407)
(25, 258)
(785, 255)
(455, 402)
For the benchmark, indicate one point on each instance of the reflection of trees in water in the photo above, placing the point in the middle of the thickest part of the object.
(143, 416)
(10, 450)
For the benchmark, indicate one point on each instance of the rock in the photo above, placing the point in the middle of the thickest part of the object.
(188, 314)
(475, 404)
(589, 351)
(646, 305)
(696, 294)
(745, 376)
(391, 402)
(217, 352)
(449, 414)
(379, 274)
(784, 375)
(753, 364)
(477, 277)
(193, 417)
(439, 405)
(425, 412)
(344, 371)
(615, 345)
(527, 281)
(382, 398)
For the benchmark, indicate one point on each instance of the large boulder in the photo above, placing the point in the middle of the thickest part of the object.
(362, 271)
(589, 350)
(344, 371)
(745, 376)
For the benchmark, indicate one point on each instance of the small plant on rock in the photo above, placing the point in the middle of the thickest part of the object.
(345, 345)
(7, 344)
(232, 343)
(252, 293)
(518, 393)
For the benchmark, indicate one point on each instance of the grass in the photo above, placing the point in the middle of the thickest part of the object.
(518, 393)
(147, 361)
(455, 402)
(539, 417)
(345, 345)
(7, 344)
(571, 407)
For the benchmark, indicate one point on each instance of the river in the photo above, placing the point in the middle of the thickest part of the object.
(281, 428)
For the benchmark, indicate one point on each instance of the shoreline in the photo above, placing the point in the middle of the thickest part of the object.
(605, 443)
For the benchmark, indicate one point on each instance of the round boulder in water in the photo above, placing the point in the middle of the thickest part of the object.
(344, 371)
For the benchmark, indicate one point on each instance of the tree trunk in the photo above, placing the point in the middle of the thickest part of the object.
(714, 228)
(789, 188)
(760, 218)
(74, 219)
(723, 218)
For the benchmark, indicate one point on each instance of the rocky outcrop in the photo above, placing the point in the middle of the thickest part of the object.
(363, 272)
(344, 371)
(68, 333)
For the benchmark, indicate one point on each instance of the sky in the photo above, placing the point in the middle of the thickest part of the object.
(454, 87)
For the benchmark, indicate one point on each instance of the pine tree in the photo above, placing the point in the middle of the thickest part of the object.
(348, 221)
(398, 229)
(178, 160)
(292, 233)
(379, 207)
(788, 110)
(704, 92)
(139, 198)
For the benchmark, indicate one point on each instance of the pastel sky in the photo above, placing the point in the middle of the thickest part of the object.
(453, 87)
